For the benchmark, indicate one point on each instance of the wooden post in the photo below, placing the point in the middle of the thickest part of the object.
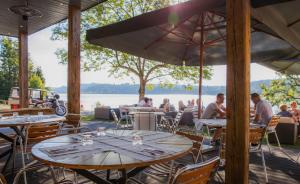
(74, 62)
(238, 91)
(201, 59)
(23, 63)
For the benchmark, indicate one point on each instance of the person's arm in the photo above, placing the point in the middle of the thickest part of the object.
(220, 111)
(257, 116)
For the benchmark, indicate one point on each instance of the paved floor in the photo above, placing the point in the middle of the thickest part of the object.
(280, 167)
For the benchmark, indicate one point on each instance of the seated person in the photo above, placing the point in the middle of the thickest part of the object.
(295, 112)
(141, 102)
(147, 102)
(284, 111)
(263, 111)
(215, 109)
(181, 106)
(165, 101)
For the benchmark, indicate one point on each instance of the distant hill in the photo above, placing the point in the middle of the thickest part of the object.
(94, 88)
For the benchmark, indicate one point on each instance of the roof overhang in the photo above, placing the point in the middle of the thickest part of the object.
(53, 11)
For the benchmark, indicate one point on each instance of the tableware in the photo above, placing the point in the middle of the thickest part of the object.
(15, 114)
(101, 131)
(86, 139)
(137, 140)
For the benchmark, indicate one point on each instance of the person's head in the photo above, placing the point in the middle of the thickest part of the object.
(180, 103)
(294, 105)
(220, 98)
(255, 98)
(165, 101)
(146, 100)
(283, 107)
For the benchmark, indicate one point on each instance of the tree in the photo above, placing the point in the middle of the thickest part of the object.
(9, 67)
(121, 64)
(283, 90)
(36, 81)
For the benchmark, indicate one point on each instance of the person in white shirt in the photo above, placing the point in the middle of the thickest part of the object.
(215, 109)
(263, 110)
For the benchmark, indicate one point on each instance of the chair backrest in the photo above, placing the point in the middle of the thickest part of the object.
(2, 179)
(41, 132)
(114, 115)
(286, 120)
(200, 173)
(273, 123)
(256, 135)
(197, 139)
(178, 116)
(195, 114)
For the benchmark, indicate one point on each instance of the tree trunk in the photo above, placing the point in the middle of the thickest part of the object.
(142, 89)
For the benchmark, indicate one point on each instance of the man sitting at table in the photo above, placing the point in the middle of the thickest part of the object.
(215, 109)
(263, 110)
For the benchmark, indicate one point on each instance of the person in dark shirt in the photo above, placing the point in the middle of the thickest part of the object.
(284, 111)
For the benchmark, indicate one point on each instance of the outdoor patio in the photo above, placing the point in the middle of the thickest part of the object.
(204, 33)
(281, 169)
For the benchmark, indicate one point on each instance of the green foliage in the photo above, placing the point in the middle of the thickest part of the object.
(36, 81)
(120, 64)
(283, 90)
(9, 68)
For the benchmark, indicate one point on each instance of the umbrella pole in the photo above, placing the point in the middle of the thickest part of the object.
(201, 60)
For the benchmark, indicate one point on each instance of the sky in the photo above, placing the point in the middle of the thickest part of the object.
(42, 52)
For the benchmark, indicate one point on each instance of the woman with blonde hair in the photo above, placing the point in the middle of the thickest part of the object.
(294, 111)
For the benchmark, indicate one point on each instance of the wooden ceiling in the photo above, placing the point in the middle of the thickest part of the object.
(53, 11)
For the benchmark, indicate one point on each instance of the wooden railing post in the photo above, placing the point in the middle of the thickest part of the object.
(238, 89)
(74, 61)
(23, 64)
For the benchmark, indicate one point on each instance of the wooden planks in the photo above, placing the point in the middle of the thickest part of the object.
(238, 89)
(74, 62)
(23, 64)
(53, 11)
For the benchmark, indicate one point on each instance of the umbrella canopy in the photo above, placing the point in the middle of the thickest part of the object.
(283, 19)
(173, 34)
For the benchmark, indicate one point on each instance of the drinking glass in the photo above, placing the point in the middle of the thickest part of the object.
(137, 140)
(40, 115)
(87, 139)
(101, 131)
(15, 114)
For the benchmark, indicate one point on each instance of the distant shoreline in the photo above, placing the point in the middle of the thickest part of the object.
(95, 88)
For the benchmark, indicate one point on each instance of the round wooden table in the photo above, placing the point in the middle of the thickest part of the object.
(117, 150)
(17, 124)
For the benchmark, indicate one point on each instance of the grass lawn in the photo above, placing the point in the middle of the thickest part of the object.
(4, 107)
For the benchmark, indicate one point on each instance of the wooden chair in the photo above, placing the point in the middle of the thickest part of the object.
(256, 136)
(200, 173)
(198, 147)
(2, 179)
(35, 134)
(271, 129)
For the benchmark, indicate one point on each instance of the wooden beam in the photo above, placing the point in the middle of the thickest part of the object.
(74, 62)
(201, 64)
(238, 91)
(23, 64)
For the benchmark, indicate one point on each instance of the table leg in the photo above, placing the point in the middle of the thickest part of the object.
(99, 180)
(91, 176)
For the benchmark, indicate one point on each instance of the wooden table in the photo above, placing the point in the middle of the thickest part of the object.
(18, 123)
(219, 123)
(114, 150)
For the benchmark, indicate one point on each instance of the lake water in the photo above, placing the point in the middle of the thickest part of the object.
(114, 100)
